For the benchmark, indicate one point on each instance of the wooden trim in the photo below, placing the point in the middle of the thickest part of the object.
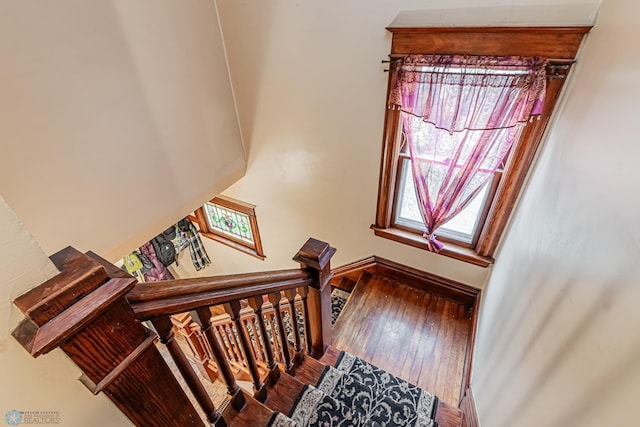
(516, 170)
(469, 410)
(248, 209)
(122, 366)
(156, 299)
(451, 250)
(548, 42)
(468, 362)
(234, 204)
(227, 241)
(456, 291)
(79, 277)
(59, 329)
(388, 162)
(560, 44)
(354, 269)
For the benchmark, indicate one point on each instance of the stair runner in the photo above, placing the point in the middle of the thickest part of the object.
(356, 393)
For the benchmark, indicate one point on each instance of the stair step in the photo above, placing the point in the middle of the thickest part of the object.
(313, 408)
(282, 395)
(252, 414)
(376, 404)
(280, 420)
(310, 370)
(382, 382)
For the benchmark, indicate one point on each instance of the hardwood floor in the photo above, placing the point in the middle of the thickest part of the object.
(418, 336)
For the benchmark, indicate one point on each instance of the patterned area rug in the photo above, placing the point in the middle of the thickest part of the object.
(356, 393)
(338, 300)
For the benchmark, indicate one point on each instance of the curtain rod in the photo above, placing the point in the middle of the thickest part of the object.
(552, 61)
(555, 67)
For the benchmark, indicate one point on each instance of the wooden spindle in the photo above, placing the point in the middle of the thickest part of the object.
(233, 343)
(304, 291)
(202, 317)
(289, 367)
(299, 351)
(165, 332)
(269, 313)
(259, 389)
(222, 340)
(272, 365)
(250, 327)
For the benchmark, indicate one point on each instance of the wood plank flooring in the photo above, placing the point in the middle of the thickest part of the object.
(418, 336)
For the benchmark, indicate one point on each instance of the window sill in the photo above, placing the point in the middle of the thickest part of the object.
(232, 244)
(450, 249)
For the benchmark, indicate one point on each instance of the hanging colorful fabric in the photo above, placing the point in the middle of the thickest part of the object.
(132, 263)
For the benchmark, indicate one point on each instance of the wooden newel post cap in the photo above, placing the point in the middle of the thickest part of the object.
(315, 253)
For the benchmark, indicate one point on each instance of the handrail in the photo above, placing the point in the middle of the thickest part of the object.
(155, 299)
(148, 291)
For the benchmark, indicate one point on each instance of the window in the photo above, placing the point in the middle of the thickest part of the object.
(232, 223)
(464, 228)
(473, 235)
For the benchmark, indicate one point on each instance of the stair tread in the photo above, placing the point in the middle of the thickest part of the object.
(378, 405)
(310, 370)
(280, 420)
(282, 395)
(385, 383)
(252, 414)
(315, 408)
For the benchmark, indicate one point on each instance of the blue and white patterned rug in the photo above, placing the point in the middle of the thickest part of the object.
(338, 300)
(356, 393)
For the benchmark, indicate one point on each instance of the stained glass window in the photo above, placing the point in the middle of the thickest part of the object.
(232, 223)
(229, 222)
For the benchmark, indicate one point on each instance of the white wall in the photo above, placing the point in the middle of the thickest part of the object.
(559, 338)
(49, 383)
(116, 118)
(311, 91)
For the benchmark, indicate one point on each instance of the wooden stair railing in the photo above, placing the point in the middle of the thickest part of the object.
(93, 311)
(257, 320)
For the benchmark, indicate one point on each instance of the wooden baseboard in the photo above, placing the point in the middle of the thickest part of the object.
(469, 411)
(354, 270)
(456, 291)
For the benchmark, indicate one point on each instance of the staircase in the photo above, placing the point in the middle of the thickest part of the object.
(346, 387)
(93, 312)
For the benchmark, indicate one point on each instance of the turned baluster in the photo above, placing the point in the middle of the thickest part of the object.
(250, 326)
(269, 314)
(272, 365)
(304, 291)
(233, 343)
(289, 367)
(299, 352)
(219, 333)
(202, 317)
(259, 389)
(165, 332)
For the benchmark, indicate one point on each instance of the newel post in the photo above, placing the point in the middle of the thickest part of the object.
(84, 312)
(317, 256)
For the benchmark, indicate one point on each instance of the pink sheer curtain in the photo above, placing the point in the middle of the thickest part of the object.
(461, 114)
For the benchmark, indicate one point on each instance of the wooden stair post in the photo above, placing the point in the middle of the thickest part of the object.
(317, 255)
(83, 311)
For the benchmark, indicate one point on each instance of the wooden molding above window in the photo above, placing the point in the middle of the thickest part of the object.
(559, 44)
(232, 223)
